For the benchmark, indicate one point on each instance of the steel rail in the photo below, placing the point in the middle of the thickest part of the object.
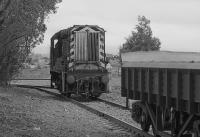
(98, 99)
(121, 123)
(29, 79)
(31, 86)
(113, 104)
(40, 88)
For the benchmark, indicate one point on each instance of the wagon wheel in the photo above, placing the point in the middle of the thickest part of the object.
(145, 121)
(175, 123)
(166, 118)
(136, 112)
(196, 128)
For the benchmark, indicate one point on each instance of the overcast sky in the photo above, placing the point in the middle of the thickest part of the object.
(175, 22)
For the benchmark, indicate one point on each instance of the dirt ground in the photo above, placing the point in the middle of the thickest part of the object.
(115, 93)
(31, 113)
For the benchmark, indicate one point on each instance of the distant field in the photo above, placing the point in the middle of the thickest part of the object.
(35, 73)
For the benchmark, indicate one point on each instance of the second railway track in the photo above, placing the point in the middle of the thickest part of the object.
(101, 108)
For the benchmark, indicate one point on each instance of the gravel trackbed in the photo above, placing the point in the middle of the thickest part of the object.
(31, 113)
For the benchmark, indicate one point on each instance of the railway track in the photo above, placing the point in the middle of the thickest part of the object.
(98, 107)
(113, 104)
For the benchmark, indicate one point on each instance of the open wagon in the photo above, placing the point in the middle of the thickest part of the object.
(167, 87)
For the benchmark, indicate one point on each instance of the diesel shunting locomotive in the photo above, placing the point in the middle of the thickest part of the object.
(78, 61)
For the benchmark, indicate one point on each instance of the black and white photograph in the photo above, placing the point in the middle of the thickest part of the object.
(99, 68)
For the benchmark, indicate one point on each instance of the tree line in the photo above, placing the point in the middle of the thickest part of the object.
(22, 27)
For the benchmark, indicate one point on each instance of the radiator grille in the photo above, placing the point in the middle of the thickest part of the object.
(87, 46)
(81, 53)
(93, 46)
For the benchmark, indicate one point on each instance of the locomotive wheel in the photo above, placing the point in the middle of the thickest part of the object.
(69, 95)
(66, 94)
(96, 96)
(59, 83)
(145, 121)
(52, 86)
(86, 94)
